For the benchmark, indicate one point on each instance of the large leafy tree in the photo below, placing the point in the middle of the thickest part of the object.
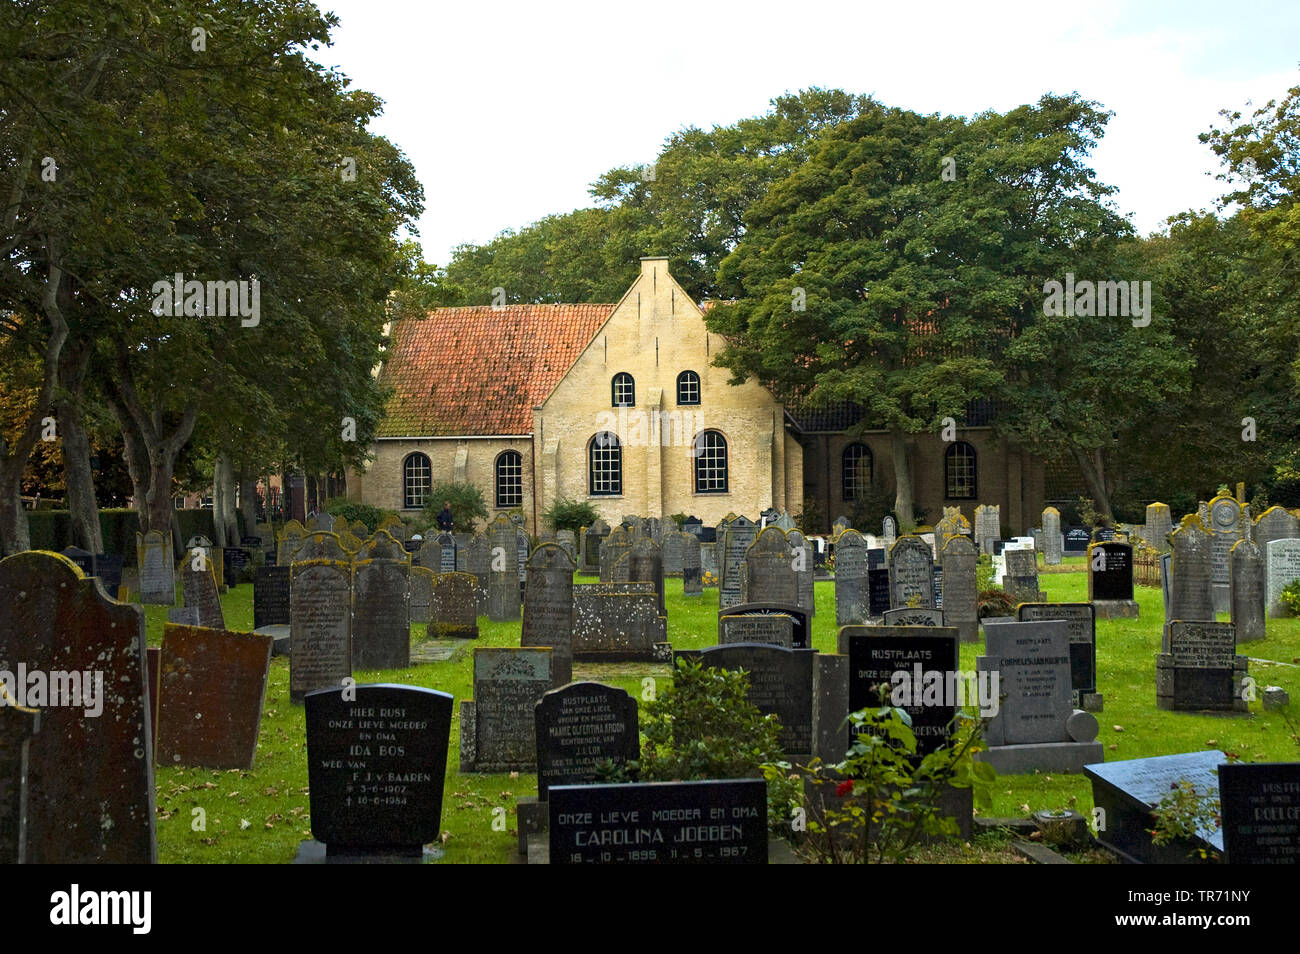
(917, 247)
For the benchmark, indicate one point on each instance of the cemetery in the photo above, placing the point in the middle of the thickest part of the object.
(782, 507)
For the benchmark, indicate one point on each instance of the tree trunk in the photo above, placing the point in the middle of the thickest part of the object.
(902, 480)
(77, 474)
(1094, 475)
(248, 500)
(13, 519)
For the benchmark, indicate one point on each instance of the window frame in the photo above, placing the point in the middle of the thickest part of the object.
(508, 458)
(950, 457)
(859, 483)
(701, 457)
(616, 459)
(407, 478)
(615, 381)
(693, 380)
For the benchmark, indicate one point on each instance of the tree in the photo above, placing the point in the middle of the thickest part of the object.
(892, 268)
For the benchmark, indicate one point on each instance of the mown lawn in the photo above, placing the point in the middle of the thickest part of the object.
(261, 815)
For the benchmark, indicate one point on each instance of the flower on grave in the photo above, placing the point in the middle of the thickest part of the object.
(844, 788)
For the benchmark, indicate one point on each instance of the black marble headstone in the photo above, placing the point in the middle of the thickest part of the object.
(580, 726)
(1082, 618)
(233, 560)
(877, 591)
(1076, 539)
(873, 663)
(800, 617)
(709, 822)
(1111, 570)
(376, 766)
(1261, 812)
(271, 596)
(780, 683)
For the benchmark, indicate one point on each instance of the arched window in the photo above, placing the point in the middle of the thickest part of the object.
(959, 471)
(688, 388)
(710, 463)
(624, 390)
(605, 465)
(855, 470)
(510, 480)
(417, 481)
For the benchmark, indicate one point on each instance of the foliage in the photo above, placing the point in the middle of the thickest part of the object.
(352, 510)
(1183, 813)
(1290, 597)
(996, 602)
(704, 727)
(567, 514)
(1089, 515)
(871, 506)
(891, 798)
(467, 505)
(984, 573)
(678, 519)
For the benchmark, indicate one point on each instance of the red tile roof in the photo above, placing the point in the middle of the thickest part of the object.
(476, 371)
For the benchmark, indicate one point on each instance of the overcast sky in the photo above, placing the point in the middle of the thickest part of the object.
(510, 110)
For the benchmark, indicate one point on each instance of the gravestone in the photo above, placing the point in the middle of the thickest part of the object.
(320, 623)
(548, 607)
(478, 563)
(454, 614)
(1036, 727)
(692, 569)
(1199, 667)
(422, 594)
(580, 726)
(1247, 584)
(960, 588)
(381, 614)
(1166, 581)
(645, 565)
(212, 684)
(568, 542)
(1021, 577)
(1083, 647)
(1283, 569)
(878, 591)
(503, 576)
(616, 622)
(1110, 580)
(802, 632)
(1189, 596)
(780, 683)
(740, 535)
(321, 546)
(617, 544)
(911, 573)
(429, 555)
(17, 726)
(988, 527)
(839, 526)
(1225, 523)
(1158, 526)
(1075, 540)
(1275, 523)
(153, 557)
(84, 560)
(592, 539)
(90, 778)
(271, 596)
(1261, 812)
(1053, 542)
(233, 561)
(200, 592)
(376, 766)
(852, 606)
(770, 630)
(709, 822)
(498, 732)
(1127, 792)
(523, 547)
(184, 615)
(906, 616)
(803, 560)
(889, 530)
(447, 553)
(769, 569)
(892, 665)
(287, 542)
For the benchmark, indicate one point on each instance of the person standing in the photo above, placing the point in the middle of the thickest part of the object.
(445, 521)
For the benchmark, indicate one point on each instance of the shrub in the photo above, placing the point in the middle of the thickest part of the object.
(996, 602)
(467, 506)
(1182, 813)
(566, 514)
(873, 504)
(1290, 597)
(704, 727)
(350, 510)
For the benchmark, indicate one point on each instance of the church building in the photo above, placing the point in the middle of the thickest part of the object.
(620, 406)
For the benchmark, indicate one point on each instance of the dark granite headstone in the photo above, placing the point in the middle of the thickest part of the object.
(692, 570)
(911, 573)
(233, 561)
(884, 670)
(801, 630)
(271, 596)
(1127, 792)
(769, 569)
(548, 607)
(770, 630)
(878, 591)
(90, 779)
(376, 764)
(852, 592)
(580, 727)
(321, 627)
(421, 601)
(381, 615)
(507, 686)
(1261, 812)
(1110, 571)
(616, 622)
(454, 610)
(780, 683)
(1199, 668)
(710, 822)
(212, 685)
(1083, 640)
(1076, 540)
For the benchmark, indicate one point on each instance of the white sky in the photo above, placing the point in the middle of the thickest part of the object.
(510, 110)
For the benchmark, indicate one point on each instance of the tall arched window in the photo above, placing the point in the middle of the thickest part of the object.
(959, 471)
(710, 463)
(624, 390)
(417, 481)
(510, 480)
(855, 470)
(688, 388)
(605, 465)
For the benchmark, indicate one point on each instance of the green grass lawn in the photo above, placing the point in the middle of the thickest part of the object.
(262, 814)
